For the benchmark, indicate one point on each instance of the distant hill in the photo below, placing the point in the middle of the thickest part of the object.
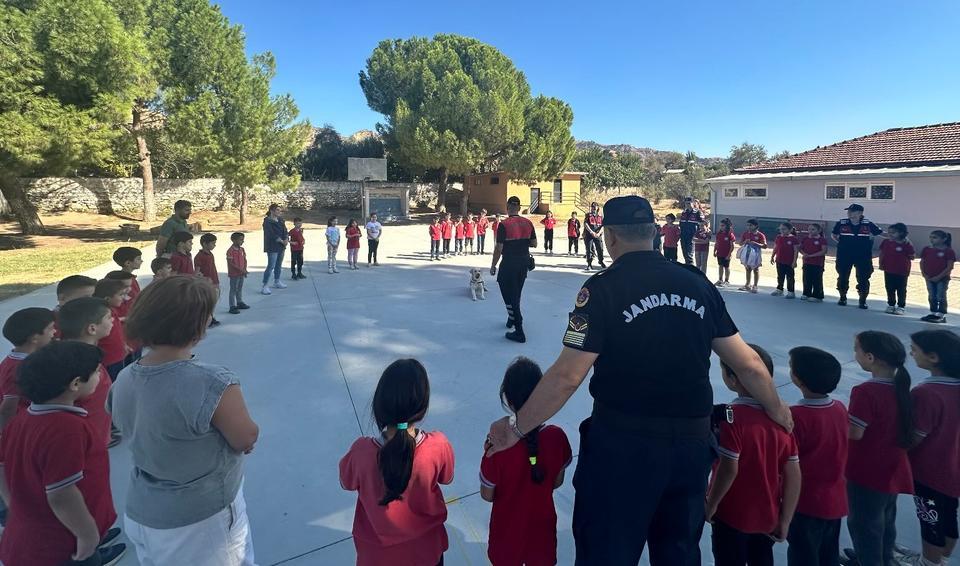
(623, 148)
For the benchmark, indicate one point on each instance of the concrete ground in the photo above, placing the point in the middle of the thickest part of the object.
(309, 358)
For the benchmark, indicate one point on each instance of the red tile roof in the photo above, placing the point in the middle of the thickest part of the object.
(937, 144)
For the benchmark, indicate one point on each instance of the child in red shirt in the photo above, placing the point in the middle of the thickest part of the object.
(54, 465)
(482, 223)
(180, 260)
(297, 243)
(752, 243)
(756, 483)
(896, 254)
(469, 233)
(520, 481)
(495, 225)
(436, 233)
(881, 431)
(28, 330)
(935, 458)
(129, 259)
(671, 236)
(397, 475)
(723, 251)
(206, 265)
(813, 248)
(573, 235)
(237, 272)
(458, 233)
(549, 223)
(447, 228)
(353, 235)
(701, 246)
(785, 257)
(821, 433)
(114, 344)
(936, 263)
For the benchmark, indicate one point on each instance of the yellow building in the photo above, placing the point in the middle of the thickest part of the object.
(560, 196)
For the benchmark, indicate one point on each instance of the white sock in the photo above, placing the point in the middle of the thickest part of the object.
(925, 562)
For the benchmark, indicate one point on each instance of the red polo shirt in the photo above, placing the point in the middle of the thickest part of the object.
(132, 294)
(114, 345)
(296, 239)
(671, 235)
(724, 245)
(936, 415)
(549, 223)
(573, 228)
(236, 261)
(447, 229)
(44, 449)
(761, 449)
(182, 263)
(459, 230)
(821, 432)
(523, 523)
(206, 265)
(876, 461)
(8, 379)
(895, 257)
(784, 247)
(811, 245)
(482, 224)
(757, 237)
(96, 406)
(494, 226)
(470, 229)
(935, 260)
(436, 231)
(701, 242)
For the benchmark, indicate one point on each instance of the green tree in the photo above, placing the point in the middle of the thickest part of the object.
(65, 72)
(456, 105)
(780, 155)
(746, 154)
(325, 159)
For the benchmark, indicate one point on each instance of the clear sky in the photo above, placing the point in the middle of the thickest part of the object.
(694, 75)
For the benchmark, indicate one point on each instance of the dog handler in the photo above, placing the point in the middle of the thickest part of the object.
(515, 236)
(645, 451)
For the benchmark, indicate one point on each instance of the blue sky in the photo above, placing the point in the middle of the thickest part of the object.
(696, 75)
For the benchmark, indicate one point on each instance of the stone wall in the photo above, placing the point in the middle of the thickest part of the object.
(125, 195)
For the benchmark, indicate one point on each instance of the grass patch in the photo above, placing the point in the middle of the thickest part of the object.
(24, 270)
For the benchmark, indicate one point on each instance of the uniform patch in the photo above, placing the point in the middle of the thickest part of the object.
(578, 322)
(577, 327)
(583, 297)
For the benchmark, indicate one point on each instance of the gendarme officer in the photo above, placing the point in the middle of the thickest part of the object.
(647, 327)
(854, 237)
(515, 236)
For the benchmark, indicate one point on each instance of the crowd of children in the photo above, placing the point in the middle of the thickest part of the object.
(468, 232)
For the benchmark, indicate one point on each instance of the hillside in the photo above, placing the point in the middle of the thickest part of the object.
(623, 148)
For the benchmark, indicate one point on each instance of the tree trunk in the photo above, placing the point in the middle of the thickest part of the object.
(143, 159)
(243, 205)
(465, 199)
(21, 208)
(442, 191)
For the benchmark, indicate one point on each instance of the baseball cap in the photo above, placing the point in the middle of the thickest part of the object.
(627, 210)
(855, 207)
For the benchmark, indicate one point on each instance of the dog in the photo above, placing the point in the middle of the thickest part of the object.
(477, 286)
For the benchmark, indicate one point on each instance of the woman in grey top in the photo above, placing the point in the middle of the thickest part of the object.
(188, 428)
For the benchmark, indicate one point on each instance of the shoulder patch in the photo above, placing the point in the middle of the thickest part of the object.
(577, 328)
(583, 297)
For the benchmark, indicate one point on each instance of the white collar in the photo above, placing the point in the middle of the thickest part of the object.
(17, 355)
(825, 402)
(48, 408)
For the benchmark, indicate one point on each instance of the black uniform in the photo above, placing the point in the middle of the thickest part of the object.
(594, 222)
(645, 452)
(516, 234)
(855, 250)
(689, 224)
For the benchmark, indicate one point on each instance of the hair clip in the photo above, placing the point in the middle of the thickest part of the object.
(533, 460)
(402, 426)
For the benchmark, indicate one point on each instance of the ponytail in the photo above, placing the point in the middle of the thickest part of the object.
(888, 349)
(947, 237)
(401, 400)
(536, 469)
(519, 381)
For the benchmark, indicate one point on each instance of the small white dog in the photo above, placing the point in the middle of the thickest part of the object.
(477, 287)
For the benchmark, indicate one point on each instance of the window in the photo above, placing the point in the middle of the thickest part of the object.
(558, 191)
(494, 180)
(881, 192)
(856, 192)
(859, 191)
(836, 192)
(731, 192)
(754, 192)
(476, 181)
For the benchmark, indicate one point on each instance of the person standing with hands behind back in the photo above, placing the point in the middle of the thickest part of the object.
(275, 240)
(297, 242)
(936, 263)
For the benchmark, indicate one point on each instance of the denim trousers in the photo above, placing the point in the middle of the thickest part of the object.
(274, 265)
(937, 295)
(872, 524)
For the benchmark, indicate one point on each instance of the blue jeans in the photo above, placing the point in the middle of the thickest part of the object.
(275, 265)
(937, 295)
(872, 523)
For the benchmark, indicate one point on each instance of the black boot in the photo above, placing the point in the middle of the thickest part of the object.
(301, 275)
(843, 301)
(517, 335)
(509, 322)
(863, 302)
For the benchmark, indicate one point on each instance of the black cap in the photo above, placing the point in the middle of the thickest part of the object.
(627, 210)
(855, 207)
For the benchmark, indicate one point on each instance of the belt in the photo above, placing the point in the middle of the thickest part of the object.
(675, 427)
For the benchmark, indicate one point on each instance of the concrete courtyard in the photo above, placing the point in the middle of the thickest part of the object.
(309, 357)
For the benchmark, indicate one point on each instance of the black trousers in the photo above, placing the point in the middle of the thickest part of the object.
(864, 269)
(594, 246)
(434, 248)
(896, 289)
(734, 548)
(372, 246)
(481, 238)
(813, 281)
(296, 261)
(573, 245)
(446, 246)
(686, 242)
(548, 240)
(670, 253)
(786, 271)
(813, 541)
(667, 474)
(510, 277)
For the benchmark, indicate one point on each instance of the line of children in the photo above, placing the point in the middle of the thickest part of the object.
(671, 237)
(573, 235)
(549, 223)
(723, 251)
(353, 234)
(786, 248)
(701, 246)
(206, 266)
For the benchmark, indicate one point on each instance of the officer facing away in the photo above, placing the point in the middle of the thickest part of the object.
(515, 236)
(647, 327)
(854, 237)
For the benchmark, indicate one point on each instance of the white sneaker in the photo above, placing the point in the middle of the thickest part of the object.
(804, 298)
(330, 271)
(279, 284)
(266, 290)
(790, 295)
(335, 270)
(899, 310)
(891, 309)
(777, 293)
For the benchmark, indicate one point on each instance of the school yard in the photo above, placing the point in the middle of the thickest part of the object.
(309, 358)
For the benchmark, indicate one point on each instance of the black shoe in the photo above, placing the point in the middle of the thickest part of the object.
(603, 265)
(214, 323)
(243, 306)
(842, 302)
(929, 318)
(111, 535)
(940, 320)
(234, 310)
(510, 323)
(112, 554)
(863, 305)
(301, 276)
(517, 336)
(294, 277)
